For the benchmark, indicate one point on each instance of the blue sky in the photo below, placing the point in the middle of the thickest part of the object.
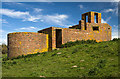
(34, 16)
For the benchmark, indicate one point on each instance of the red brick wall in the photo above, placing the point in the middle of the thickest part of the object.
(23, 43)
(71, 35)
(104, 34)
(52, 36)
(49, 32)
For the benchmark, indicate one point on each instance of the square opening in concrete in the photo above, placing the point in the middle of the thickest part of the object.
(96, 28)
(58, 38)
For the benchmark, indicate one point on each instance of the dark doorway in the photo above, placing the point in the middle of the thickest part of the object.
(86, 20)
(58, 38)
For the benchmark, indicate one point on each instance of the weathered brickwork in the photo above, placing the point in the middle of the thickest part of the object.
(83, 31)
(23, 43)
(104, 33)
(49, 32)
(52, 36)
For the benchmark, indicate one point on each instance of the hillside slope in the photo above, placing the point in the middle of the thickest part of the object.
(85, 60)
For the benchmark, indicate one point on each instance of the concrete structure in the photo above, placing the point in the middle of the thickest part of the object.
(92, 29)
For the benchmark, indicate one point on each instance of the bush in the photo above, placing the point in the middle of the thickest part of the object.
(69, 44)
(4, 48)
(116, 39)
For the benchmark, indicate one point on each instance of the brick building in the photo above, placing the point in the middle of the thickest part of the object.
(90, 27)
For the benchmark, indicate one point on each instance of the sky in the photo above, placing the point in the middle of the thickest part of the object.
(34, 16)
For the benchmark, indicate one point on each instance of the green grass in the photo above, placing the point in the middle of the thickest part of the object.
(92, 60)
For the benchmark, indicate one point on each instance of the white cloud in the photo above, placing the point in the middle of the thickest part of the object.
(31, 18)
(3, 36)
(115, 26)
(67, 26)
(3, 21)
(1, 30)
(115, 0)
(109, 10)
(81, 6)
(114, 10)
(38, 10)
(26, 28)
(42, 20)
(3, 41)
(58, 19)
(115, 31)
(13, 13)
(103, 21)
(114, 37)
(18, 14)
(115, 34)
(14, 3)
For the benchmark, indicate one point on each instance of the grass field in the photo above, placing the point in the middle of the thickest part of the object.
(81, 60)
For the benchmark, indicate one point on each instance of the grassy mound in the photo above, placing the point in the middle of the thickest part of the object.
(80, 60)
